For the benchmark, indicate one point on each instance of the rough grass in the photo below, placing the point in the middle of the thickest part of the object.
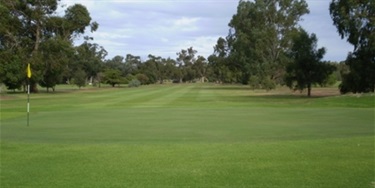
(187, 136)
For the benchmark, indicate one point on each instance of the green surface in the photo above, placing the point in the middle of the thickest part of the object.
(187, 136)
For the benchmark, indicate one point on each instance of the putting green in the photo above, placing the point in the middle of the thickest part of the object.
(188, 135)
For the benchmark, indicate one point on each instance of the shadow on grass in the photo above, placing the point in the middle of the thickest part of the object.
(64, 89)
(291, 96)
(279, 92)
(274, 98)
(225, 87)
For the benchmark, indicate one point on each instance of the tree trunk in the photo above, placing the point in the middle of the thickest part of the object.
(33, 87)
(309, 90)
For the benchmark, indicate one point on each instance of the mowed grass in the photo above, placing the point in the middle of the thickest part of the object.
(188, 135)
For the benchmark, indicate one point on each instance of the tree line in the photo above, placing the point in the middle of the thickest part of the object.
(265, 47)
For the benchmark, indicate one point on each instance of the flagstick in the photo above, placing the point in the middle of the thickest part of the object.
(28, 102)
(28, 70)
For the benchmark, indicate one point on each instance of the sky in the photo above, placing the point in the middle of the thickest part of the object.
(164, 27)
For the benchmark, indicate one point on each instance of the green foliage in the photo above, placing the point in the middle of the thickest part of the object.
(355, 21)
(186, 60)
(306, 67)
(55, 61)
(134, 83)
(200, 68)
(330, 80)
(112, 77)
(80, 78)
(128, 78)
(99, 79)
(260, 35)
(361, 78)
(254, 82)
(78, 18)
(154, 69)
(268, 83)
(170, 69)
(10, 68)
(142, 78)
(33, 32)
(219, 64)
(88, 57)
(132, 64)
(116, 63)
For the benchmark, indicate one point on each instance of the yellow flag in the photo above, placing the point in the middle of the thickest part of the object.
(28, 71)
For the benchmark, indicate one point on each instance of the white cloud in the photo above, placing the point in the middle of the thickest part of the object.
(185, 22)
(112, 36)
(163, 28)
(204, 45)
(115, 14)
(165, 40)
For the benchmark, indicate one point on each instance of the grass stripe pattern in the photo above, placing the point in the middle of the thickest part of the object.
(187, 135)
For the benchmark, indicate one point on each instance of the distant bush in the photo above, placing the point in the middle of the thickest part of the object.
(134, 83)
(79, 78)
(2, 88)
(142, 78)
(128, 78)
(257, 83)
(330, 80)
(112, 77)
(254, 82)
(268, 84)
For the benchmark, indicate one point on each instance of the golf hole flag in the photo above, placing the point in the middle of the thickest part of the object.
(28, 92)
(28, 71)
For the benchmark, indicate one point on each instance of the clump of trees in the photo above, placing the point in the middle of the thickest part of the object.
(155, 69)
(259, 38)
(32, 32)
(266, 47)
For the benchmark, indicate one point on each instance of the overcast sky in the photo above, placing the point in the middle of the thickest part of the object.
(164, 27)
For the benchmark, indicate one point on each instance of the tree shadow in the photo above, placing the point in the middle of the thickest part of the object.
(279, 93)
(225, 87)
